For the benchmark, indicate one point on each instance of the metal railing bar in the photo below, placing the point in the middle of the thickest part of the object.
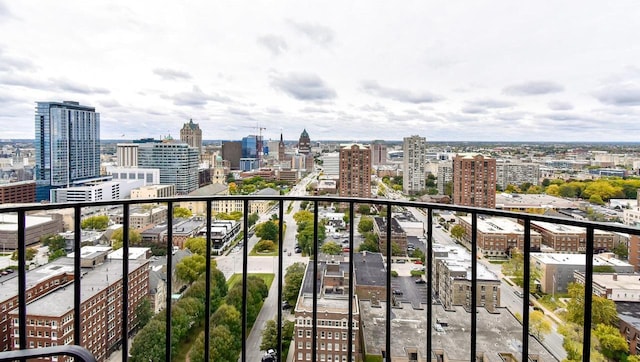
(125, 282)
(245, 286)
(207, 298)
(526, 286)
(314, 327)
(22, 280)
(351, 283)
(77, 274)
(474, 285)
(588, 296)
(167, 339)
(429, 271)
(390, 296)
(280, 273)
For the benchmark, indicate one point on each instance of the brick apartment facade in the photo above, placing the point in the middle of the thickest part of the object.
(571, 239)
(18, 192)
(355, 171)
(497, 236)
(474, 180)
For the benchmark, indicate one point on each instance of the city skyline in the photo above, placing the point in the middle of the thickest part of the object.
(449, 72)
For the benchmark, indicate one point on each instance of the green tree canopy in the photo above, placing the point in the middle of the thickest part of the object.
(515, 268)
(292, 282)
(612, 344)
(197, 245)
(267, 230)
(253, 219)
(457, 231)
(331, 248)
(265, 246)
(98, 222)
(365, 224)
(117, 238)
(181, 212)
(30, 254)
(54, 242)
(370, 243)
(149, 343)
(603, 309)
(539, 326)
(270, 335)
(143, 313)
(191, 267)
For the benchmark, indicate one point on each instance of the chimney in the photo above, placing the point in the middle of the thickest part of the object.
(615, 276)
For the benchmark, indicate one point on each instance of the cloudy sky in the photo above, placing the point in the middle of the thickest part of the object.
(446, 70)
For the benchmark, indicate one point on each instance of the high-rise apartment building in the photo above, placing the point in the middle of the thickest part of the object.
(415, 156)
(517, 173)
(177, 162)
(474, 180)
(304, 143)
(378, 153)
(232, 152)
(191, 134)
(67, 145)
(444, 176)
(355, 171)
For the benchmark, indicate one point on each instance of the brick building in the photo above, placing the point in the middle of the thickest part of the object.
(497, 235)
(571, 239)
(18, 192)
(474, 180)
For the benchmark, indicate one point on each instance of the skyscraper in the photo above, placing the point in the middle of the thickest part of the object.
(304, 143)
(178, 164)
(67, 145)
(191, 134)
(355, 171)
(378, 153)
(474, 180)
(414, 159)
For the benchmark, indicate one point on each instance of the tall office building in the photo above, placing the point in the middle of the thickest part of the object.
(304, 143)
(191, 134)
(474, 180)
(178, 164)
(67, 145)
(378, 153)
(355, 171)
(232, 152)
(415, 156)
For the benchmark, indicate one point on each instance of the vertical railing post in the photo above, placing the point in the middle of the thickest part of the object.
(167, 339)
(429, 271)
(125, 282)
(525, 281)
(389, 294)
(314, 327)
(77, 274)
(279, 273)
(207, 298)
(245, 287)
(588, 295)
(474, 283)
(22, 280)
(351, 283)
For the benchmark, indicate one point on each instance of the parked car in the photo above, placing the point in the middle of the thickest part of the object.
(396, 292)
(298, 250)
(421, 281)
(286, 305)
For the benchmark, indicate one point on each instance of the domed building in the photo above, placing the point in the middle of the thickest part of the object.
(304, 143)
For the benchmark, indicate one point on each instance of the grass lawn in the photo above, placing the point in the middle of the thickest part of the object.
(237, 278)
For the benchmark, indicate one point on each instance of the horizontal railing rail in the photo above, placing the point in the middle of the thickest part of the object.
(429, 210)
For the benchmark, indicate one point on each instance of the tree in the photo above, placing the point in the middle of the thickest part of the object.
(235, 216)
(253, 219)
(181, 212)
(370, 243)
(538, 325)
(98, 222)
(331, 248)
(197, 245)
(270, 335)
(612, 344)
(364, 209)
(189, 268)
(227, 315)
(56, 254)
(303, 216)
(603, 309)
(265, 246)
(117, 238)
(573, 336)
(596, 199)
(267, 230)
(54, 242)
(292, 282)
(515, 268)
(553, 190)
(143, 313)
(30, 254)
(457, 231)
(220, 341)
(396, 250)
(149, 343)
(621, 251)
(365, 225)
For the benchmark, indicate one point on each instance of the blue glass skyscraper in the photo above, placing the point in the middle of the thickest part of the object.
(67, 145)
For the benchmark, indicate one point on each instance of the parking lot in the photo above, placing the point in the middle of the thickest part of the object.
(412, 292)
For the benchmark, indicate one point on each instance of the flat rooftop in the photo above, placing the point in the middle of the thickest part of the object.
(9, 221)
(565, 229)
(578, 259)
(532, 201)
(370, 269)
(382, 225)
(459, 259)
(94, 280)
(497, 225)
(496, 332)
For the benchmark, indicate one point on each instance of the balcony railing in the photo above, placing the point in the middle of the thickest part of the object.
(282, 203)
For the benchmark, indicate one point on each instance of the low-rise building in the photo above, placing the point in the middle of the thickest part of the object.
(153, 191)
(18, 192)
(557, 270)
(496, 236)
(36, 226)
(398, 235)
(571, 239)
(223, 232)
